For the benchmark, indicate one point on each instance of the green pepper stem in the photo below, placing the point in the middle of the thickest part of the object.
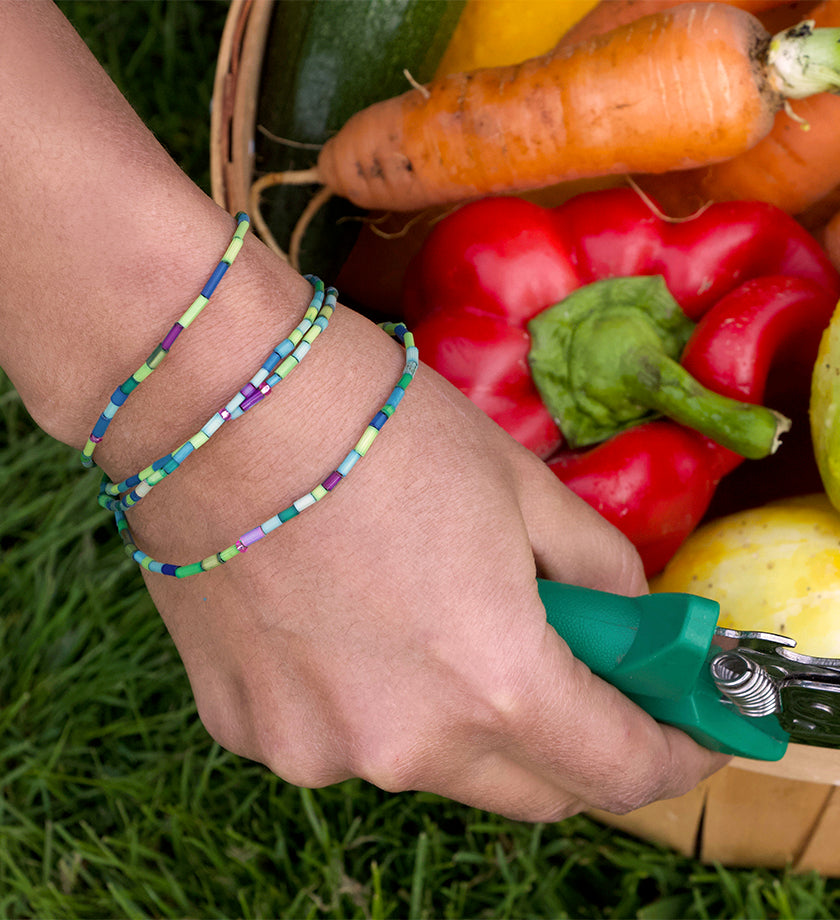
(662, 384)
(606, 357)
(803, 61)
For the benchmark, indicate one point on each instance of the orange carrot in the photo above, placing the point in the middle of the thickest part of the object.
(794, 167)
(609, 14)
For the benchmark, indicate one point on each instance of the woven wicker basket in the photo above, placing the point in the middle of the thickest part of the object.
(235, 97)
(748, 814)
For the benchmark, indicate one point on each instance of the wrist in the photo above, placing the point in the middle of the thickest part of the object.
(109, 241)
(291, 441)
(215, 348)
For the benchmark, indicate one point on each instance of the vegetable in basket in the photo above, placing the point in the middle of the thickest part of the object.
(825, 408)
(685, 87)
(494, 32)
(759, 285)
(655, 482)
(607, 14)
(314, 78)
(774, 568)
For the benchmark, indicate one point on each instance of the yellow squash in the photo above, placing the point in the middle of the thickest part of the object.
(825, 409)
(492, 33)
(773, 569)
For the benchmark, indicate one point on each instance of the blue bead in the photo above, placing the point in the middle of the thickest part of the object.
(214, 279)
(349, 462)
(396, 395)
(100, 427)
(182, 453)
(167, 568)
(271, 524)
(378, 420)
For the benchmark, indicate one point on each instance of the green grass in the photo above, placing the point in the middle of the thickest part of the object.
(113, 800)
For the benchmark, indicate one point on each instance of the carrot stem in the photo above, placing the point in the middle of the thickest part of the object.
(803, 61)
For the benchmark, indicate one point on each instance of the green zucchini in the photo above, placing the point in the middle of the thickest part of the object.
(325, 60)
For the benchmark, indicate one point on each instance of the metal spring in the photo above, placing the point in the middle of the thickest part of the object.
(749, 687)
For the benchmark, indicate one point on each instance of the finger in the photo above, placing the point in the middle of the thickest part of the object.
(571, 541)
(580, 732)
(559, 740)
(627, 757)
(498, 784)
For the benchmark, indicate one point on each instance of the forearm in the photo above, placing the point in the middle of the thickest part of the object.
(107, 242)
(89, 204)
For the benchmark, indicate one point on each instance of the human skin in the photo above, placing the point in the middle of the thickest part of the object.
(391, 632)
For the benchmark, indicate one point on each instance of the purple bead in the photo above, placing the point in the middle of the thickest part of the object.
(254, 396)
(332, 480)
(170, 336)
(251, 537)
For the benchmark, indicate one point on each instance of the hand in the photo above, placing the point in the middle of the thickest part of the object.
(394, 631)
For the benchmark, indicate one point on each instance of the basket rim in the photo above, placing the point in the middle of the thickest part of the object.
(234, 103)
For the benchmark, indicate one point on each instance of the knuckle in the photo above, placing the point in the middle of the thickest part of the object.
(390, 766)
(552, 812)
(265, 741)
(222, 727)
(626, 800)
(308, 774)
(506, 703)
(311, 762)
(634, 791)
(559, 812)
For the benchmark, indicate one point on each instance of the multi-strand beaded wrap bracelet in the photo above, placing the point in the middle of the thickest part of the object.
(118, 497)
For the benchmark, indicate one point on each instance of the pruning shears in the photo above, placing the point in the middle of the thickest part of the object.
(739, 692)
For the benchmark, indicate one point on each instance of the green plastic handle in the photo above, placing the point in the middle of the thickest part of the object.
(656, 649)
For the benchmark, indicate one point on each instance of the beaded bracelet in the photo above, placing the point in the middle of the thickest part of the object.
(154, 360)
(287, 354)
(399, 332)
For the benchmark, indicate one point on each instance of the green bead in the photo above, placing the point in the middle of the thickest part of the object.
(184, 571)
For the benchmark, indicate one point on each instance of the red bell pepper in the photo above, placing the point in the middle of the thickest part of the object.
(656, 481)
(487, 270)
